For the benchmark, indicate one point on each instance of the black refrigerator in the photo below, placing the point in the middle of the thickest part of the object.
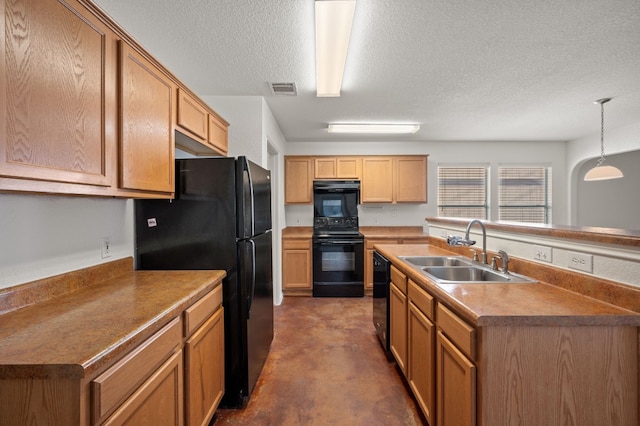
(220, 219)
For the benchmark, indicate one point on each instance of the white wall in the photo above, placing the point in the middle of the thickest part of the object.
(244, 115)
(492, 153)
(585, 150)
(44, 235)
(610, 203)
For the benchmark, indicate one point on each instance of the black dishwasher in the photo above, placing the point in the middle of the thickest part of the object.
(381, 279)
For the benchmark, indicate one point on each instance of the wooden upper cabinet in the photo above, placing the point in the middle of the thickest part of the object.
(325, 168)
(411, 179)
(218, 134)
(348, 168)
(377, 180)
(58, 112)
(192, 116)
(337, 167)
(298, 180)
(146, 111)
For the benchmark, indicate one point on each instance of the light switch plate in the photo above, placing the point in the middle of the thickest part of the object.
(542, 253)
(581, 261)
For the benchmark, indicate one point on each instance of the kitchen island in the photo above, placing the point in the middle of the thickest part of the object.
(108, 343)
(502, 354)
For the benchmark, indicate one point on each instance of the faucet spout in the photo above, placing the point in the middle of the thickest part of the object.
(484, 237)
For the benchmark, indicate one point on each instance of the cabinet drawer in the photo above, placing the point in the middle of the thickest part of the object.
(399, 279)
(115, 385)
(296, 244)
(457, 330)
(198, 313)
(423, 300)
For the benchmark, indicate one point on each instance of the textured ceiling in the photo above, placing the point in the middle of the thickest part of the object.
(485, 70)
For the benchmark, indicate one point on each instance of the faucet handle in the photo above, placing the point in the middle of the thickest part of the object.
(494, 263)
(475, 255)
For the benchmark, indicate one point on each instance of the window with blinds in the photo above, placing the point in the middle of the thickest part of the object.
(524, 194)
(462, 192)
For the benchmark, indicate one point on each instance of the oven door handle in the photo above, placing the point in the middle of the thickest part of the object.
(338, 242)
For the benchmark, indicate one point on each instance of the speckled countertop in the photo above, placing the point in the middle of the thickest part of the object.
(511, 304)
(76, 334)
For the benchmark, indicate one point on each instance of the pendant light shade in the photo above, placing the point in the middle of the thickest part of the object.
(602, 171)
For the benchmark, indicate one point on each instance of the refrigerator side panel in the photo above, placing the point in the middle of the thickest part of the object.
(197, 229)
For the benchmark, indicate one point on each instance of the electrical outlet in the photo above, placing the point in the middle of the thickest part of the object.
(581, 261)
(542, 253)
(106, 247)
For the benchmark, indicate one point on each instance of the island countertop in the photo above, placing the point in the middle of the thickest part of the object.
(76, 334)
(540, 304)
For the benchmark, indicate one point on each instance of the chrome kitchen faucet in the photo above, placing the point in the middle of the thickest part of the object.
(456, 240)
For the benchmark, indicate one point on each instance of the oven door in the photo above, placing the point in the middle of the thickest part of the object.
(338, 267)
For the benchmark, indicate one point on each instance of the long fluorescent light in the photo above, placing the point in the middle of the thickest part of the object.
(374, 128)
(333, 29)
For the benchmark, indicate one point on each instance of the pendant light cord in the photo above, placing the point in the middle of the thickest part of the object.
(602, 102)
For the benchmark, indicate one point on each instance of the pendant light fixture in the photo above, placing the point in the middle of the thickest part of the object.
(602, 171)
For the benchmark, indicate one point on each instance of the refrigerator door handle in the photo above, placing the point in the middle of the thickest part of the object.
(252, 201)
(253, 278)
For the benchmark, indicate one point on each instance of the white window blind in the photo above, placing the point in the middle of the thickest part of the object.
(525, 194)
(462, 192)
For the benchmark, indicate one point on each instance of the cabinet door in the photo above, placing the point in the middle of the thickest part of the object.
(398, 325)
(296, 265)
(146, 110)
(191, 115)
(325, 168)
(298, 180)
(456, 385)
(421, 360)
(348, 167)
(218, 134)
(158, 401)
(411, 179)
(204, 370)
(377, 180)
(58, 94)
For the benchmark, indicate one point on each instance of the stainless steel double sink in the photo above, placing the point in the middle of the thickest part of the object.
(459, 269)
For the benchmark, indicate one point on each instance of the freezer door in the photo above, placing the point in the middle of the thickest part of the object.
(256, 277)
(254, 199)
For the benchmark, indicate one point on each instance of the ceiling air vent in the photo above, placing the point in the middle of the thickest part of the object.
(283, 89)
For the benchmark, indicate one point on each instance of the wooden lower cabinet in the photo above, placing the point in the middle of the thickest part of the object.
(204, 370)
(421, 350)
(297, 267)
(398, 318)
(501, 375)
(456, 385)
(159, 401)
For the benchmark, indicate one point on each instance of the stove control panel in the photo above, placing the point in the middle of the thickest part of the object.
(335, 223)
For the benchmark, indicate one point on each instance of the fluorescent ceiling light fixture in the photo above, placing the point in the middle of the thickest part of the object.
(601, 171)
(333, 29)
(374, 128)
